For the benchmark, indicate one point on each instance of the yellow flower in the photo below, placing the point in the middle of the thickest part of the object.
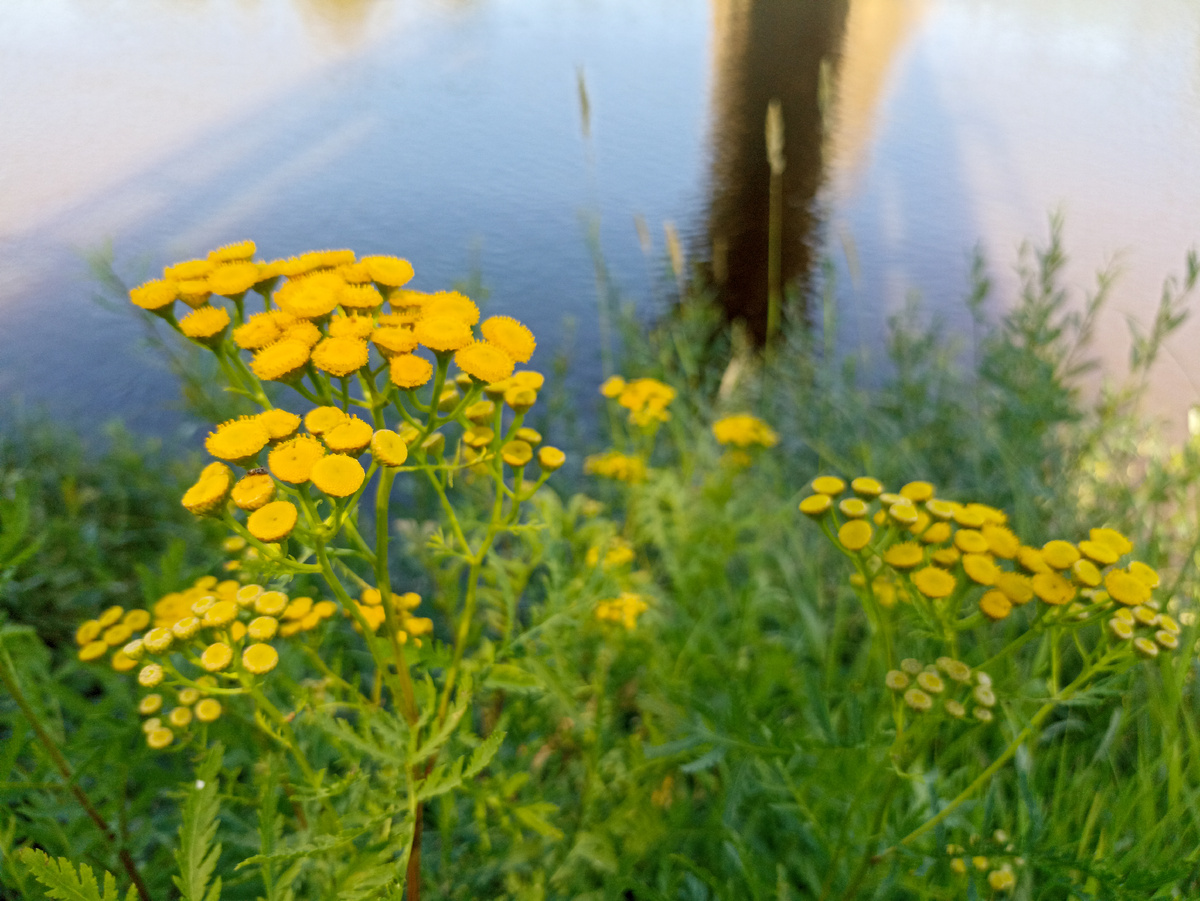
(410, 371)
(137, 619)
(1000, 540)
(855, 534)
(511, 336)
(350, 436)
(478, 436)
(854, 507)
(1126, 588)
(150, 704)
(263, 628)
(280, 424)
(995, 605)
(1167, 639)
(918, 700)
(484, 361)
(159, 738)
(150, 675)
(210, 491)
(1059, 554)
(904, 555)
(359, 297)
(1143, 573)
(338, 475)
(394, 340)
(1145, 647)
(188, 270)
(443, 333)
(253, 491)
(941, 509)
(220, 614)
(980, 568)
(1114, 539)
(340, 357)
(917, 491)
(969, 517)
(216, 657)
(293, 460)
(520, 399)
(451, 305)
(624, 609)
(937, 533)
(970, 541)
(208, 710)
(612, 387)
(1099, 552)
(93, 650)
(304, 332)
(867, 486)
(1053, 588)
(260, 658)
(273, 522)
(934, 582)
(815, 504)
(830, 485)
(1085, 572)
(238, 439)
(516, 453)
(622, 467)
(154, 295)
(388, 448)
(1031, 560)
(230, 253)
(1001, 880)
(1016, 587)
(280, 361)
(551, 458)
(118, 634)
(180, 717)
(158, 639)
(194, 292)
(744, 430)
(311, 296)
(931, 682)
(896, 680)
(234, 279)
(391, 272)
(271, 603)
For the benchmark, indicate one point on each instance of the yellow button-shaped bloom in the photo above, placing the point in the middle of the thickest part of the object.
(995, 605)
(260, 658)
(867, 486)
(216, 657)
(511, 336)
(1053, 588)
(904, 555)
(388, 448)
(238, 439)
(484, 361)
(516, 453)
(1143, 573)
(917, 491)
(157, 640)
(271, 603)
(282, 360)
(151, 675)
(1000, 540)
(918, 700)
(93, 650)
(980, 569)
(208, 710)
(293, 460)
(1060, 554)
(968, 517)
(1085, 572)
(443, 333)
(1032, 560)
(137, 619)
(253, 491)
(280, 424)
(1016, 587)
(150, 704)
(550, 458)
(855, 534)
(410, 371)
(934, 582)
(341, 357)
(338, 475)
(155, 295)
(180, 717)
(1114, 539)
(970, 541)
(263, 628)
(272, 522)
(904, 512)
(1126, 588)
(1099, 552)
(221, 614)
(816, 505)
(829, 485)
(159, 738)
(351, 436)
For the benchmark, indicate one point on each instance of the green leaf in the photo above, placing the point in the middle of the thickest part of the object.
(443, 778)
(197, 855)
(483, 754)
(533, 816)
(508, 677)
(64, 884)
(434, 743)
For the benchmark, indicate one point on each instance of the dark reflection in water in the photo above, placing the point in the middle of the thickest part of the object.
(764, 50)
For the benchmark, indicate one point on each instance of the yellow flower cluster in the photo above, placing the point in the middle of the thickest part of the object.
(617, 553)
(744, 430)
(1000, 875)
(646, 399)
(624, 609)
(327, 311)
(191, 706)
(926, 547)
(370, 606)
(616, 465)
(959, 691)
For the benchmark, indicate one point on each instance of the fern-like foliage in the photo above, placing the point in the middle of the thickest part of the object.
(64, 883)
(197, 854)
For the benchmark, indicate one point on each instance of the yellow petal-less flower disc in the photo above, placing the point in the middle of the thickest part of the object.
(320, 420)
(394, 340)
(220, 614)
(1114, 539)
(1001, 880)
(478, 436)
(233, 279)
(263, 628)
(238, 439)
(188, 270)
(410, 371)
(917, 491)
(88, 632)
(980, 569)
(1017, 588)
(260, 659)
(150, 704)
(904, 512)
(855, 534)
(280, 424)
(1145, 647)
(180, 717)
(1121, 628)
(194, 292)
(940, 508)
(1059, 554)
(216, 657)
(137, 619)
(934, 582)
(854, 507)
(1000, 540)
(1031, 560)
(1126, 588)
(189, 696)
(232, 253)
(293, 460)
(485, 362)
(359, 297)
(830, 485)
(918, 700)
(392, 272)
(341, 357)
(904, 555)
(338, 475)
(298, 608)
(388, 448)
(1143, 573)
(1168, 640)
(443, 333)
(968, 517)
(534, 381)
(158, 639)
(511, 336)
(550, 458)
(816, 505)
(970, 541)
(516, 453)
(253, 491)
(1053, 588)
(150, 675)
(110, 616)
(612, 387)
(304, 332)
(93, 650)
(744, 430)
(208, 494)
(1099, 552)
(351, 326)
(280, 361)
(208, 710)
(154, 295)
(937, 533)
(257, 332)
(159, 738)
(351, 436)
(271, 603)
(116, 635)
(273, 522)
(867, 486)
(310, 297)
(1086, 573)
(453, 305)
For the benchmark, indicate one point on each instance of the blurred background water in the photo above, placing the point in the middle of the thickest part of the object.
(452, 132)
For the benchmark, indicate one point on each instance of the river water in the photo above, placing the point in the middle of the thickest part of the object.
(489, 137)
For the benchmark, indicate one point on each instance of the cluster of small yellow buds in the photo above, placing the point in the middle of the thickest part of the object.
(999, 868)
(617, 552)
(950, 685)
(371, 607)
(935, 549)
(623, 609)
(616, 465)
(743, 430)
(106, 635)
(646, 399)
(192, 705)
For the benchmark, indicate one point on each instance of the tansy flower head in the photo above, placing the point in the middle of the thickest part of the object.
(918, 700)
(272, 522)
(830, 485)
(904, 555)
(452, 305)
(484, 361)
(744, 430)
(93, 650)
(388, 448)
(137, 619)
(478, 436)
(995, 605)
(410, 371)
(855, 534)
(340, 356)
(612, 387)
(551, 459)
(816, 504)
(934, 582)
(238, 439)
(208, 710)
(516, 453)
(292, 461)
(150, 675)
(253, 491)
(351, 326)
(310, 297)
(970, 541)
(359, 297)
(242, 250)
(867, 486)
(1052, 588)
(159, 738)
(194, 292)
(233, 279)
(917, 491)
(256, 332)
(320, 420)
(1143, 573)
(271, 603)
(622, 467)
(391, 272)
(1126, 588)
(304, 332)
(394, 340)
(1016, 587)
(980, 569)
(520, 399)
(205, 324)
(280, 424)
(1114, 539)
(260, 658)
(350, 436)
(216, 657)
(210, 491)
(511, 336)
(1059, 554)
(154, 295)
(280, 361)
(338, 475)
(443, 333)
(188, 270)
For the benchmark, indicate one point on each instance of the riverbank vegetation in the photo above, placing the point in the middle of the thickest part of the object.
(800, 626)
